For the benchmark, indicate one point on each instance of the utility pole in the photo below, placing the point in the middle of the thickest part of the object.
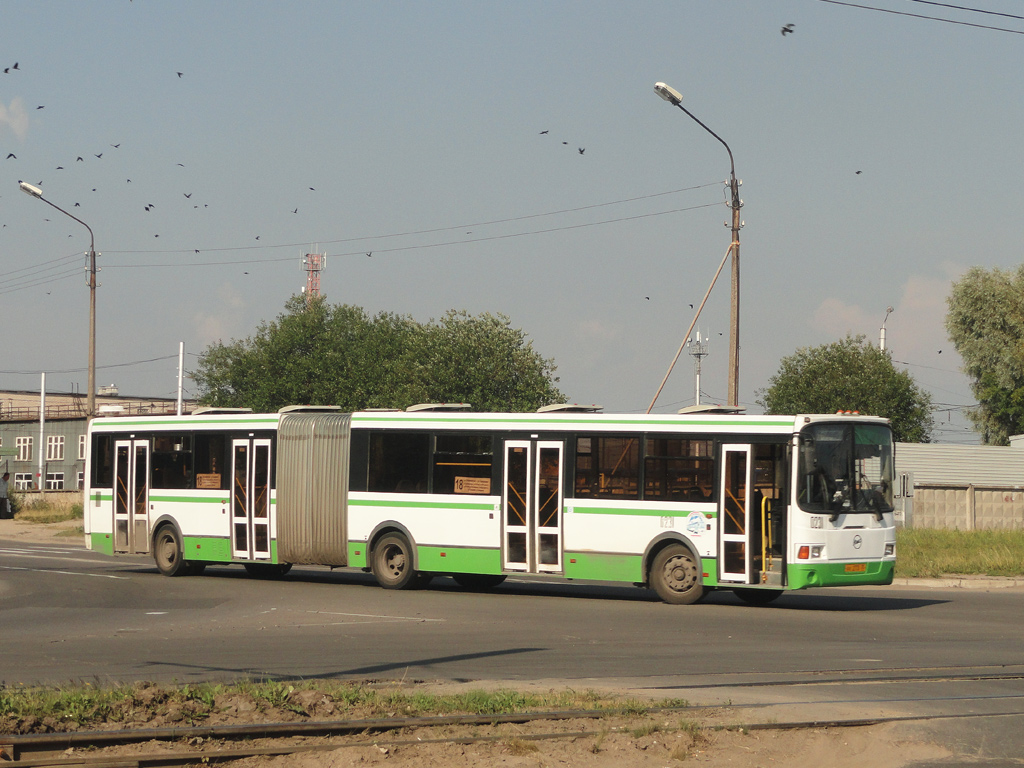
(698, 349)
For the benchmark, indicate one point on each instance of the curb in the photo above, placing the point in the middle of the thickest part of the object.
(963, 582)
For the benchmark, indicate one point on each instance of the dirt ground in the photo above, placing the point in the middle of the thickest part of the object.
(627, 741)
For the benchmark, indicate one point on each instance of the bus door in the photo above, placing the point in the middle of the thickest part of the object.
(250, 498)
(532, 506)
(131, 496)
(734, 514)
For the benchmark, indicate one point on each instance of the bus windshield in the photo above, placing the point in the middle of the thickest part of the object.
(846, 468)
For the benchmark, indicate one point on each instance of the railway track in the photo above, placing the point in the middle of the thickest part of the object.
(220, 744)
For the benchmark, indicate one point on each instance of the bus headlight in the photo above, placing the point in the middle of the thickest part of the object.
(890, 549)
(810, 552)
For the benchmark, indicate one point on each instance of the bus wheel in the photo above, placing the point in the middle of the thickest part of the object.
(675, 576)
(757, 596)
(392, 563)
(267, 570)
(167, 552)
(478, 582)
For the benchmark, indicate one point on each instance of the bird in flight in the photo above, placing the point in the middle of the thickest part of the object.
(582, 150)
(78, 159)
(8, 69)
(187, 194)
(100, 155)
(40, 106)
(859, 172)
(9, 156)
(542, 133)
(787, 30)
(180, 74)
(369, 254)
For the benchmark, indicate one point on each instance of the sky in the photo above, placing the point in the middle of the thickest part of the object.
(507, 157)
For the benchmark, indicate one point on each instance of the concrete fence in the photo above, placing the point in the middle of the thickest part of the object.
(968, 507)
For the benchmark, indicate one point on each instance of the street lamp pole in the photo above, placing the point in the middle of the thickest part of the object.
(673, 96)
(90, 406)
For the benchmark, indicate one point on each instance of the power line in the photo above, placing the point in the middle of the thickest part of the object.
(922, 16)
(406, 247)
(104, 367)
(965, 8)
(436, 229)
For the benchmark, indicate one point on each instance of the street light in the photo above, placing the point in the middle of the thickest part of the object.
(673, 96)
(90, 406)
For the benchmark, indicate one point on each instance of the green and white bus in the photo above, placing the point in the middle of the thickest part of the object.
(683, 504)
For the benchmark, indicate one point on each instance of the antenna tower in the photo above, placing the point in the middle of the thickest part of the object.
(314, 264)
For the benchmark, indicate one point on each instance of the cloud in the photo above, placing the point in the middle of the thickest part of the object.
(916, 328)
(15, 117)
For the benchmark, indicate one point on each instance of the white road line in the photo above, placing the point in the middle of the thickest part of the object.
(373, 616)
(63, 573)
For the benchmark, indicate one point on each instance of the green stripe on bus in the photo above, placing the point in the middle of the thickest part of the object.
(459, 560)
(102, 543)
(424, 504)
(802, 576)
(641, 512)
(188, 499)
(357, 554)
(209, 549)
(603, 566)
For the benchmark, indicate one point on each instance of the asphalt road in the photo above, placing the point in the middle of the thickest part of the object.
(67, 614)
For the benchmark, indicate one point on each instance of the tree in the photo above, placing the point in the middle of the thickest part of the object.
(850, 375)
(316, 353)
(985, 322)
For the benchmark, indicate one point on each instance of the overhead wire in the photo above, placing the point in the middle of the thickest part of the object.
(435, 230)
(397, 249)
(922, 16)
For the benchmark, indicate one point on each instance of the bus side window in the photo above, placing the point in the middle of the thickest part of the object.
(608, 467)
(211, 469)
(398, 462)
(103, 461)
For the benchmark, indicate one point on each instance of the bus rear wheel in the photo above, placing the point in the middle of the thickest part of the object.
(392, 563)
(675, 576)
(168, 553)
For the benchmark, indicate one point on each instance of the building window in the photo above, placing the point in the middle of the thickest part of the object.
(24, 446)
(55, 447)
(23, 481)
(81, 447)
(55, 481)
(81, 480)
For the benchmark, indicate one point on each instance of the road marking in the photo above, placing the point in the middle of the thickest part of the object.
(374, 616)
(63, 573)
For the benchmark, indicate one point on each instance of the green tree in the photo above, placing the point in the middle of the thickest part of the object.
(850, 375)
(321, 354)
(985, 322)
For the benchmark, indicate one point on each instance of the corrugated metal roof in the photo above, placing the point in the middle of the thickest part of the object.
(961, 464)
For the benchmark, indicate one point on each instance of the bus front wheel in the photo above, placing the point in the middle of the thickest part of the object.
(392, 563)
(675, 576)
(168, 552)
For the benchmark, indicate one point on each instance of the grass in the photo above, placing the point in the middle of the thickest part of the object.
(927, 553)
(43, 510)
(87, 706)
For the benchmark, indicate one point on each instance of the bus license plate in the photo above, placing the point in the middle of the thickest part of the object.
(856, 567)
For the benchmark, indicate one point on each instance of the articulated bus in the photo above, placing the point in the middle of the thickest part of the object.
(682, 504)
